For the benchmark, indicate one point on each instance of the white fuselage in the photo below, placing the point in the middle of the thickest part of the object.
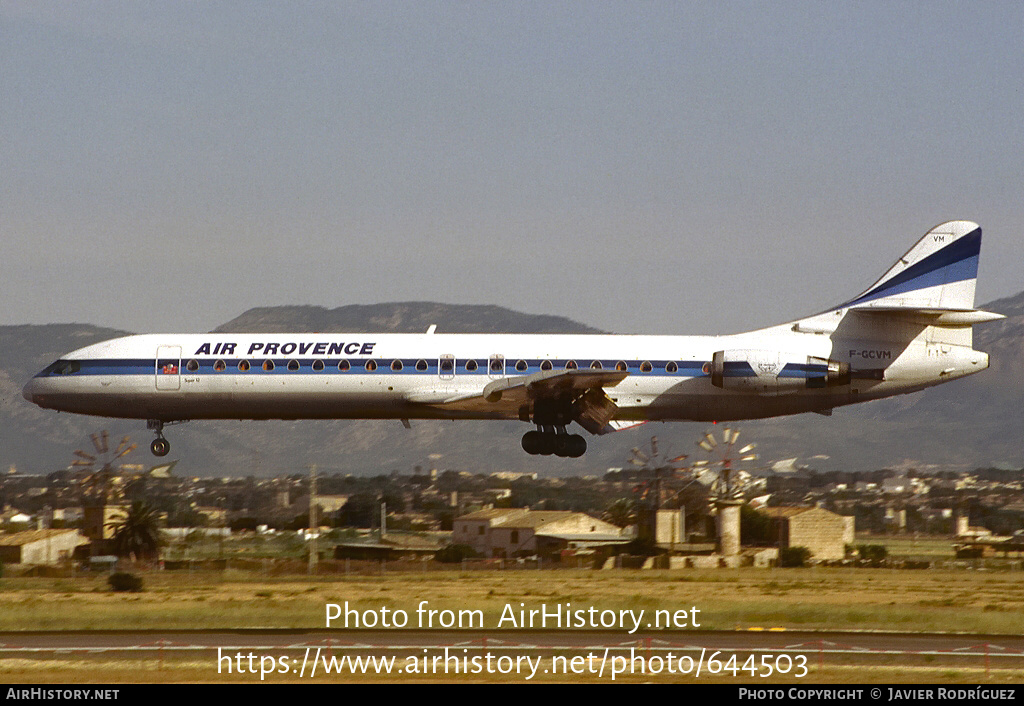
(425, 376)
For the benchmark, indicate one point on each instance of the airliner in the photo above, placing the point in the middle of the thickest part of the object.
(909, 330)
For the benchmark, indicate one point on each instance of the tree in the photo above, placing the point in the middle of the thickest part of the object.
(621, 512)
(137, 535)
(755, 527)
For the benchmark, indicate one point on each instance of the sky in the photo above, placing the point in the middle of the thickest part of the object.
(679, 167)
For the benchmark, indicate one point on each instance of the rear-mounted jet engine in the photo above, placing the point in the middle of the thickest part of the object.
(767, 372)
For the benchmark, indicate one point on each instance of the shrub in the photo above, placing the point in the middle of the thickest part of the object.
(123, 581)
(970, 552)
(642, 546)
(454, 553)
(872, 552)
(794, 556)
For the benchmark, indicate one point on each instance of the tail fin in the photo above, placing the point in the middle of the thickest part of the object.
(939, 273)
(932, 285)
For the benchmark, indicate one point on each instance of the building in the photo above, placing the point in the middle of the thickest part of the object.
(99, 522)
(515, 532)
(46, 546)
(393, 546)
(825, 533)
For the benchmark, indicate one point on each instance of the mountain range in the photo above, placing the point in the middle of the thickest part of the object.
(969, 423)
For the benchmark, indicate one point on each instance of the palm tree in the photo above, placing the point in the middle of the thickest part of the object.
(621, 512)
(137, 535)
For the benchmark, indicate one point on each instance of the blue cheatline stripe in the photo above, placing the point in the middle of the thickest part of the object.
(956, 262)
(738, 369)
(115, 367)
(804, 370)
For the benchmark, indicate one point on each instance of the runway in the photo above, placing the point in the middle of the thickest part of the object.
(825, 642)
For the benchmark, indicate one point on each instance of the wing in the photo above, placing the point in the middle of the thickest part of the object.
(581, 391)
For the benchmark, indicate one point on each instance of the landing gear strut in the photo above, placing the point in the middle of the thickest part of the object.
(160, 445)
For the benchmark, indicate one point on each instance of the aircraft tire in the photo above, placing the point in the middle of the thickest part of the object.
(563, 445)
(532, 442)
(160, 447)
(577, 446)
(547, 444)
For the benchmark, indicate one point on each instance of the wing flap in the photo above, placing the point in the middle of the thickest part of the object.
(592, 408)
(551, 383)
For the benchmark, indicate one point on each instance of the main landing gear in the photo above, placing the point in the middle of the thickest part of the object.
(160, 445)
(548, 440)
(551, 418)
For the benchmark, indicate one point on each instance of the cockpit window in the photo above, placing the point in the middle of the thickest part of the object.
(65, 367)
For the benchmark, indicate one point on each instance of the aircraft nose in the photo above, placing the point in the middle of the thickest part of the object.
(28, 391)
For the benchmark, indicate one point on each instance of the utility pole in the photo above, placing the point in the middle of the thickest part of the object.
(314, 521)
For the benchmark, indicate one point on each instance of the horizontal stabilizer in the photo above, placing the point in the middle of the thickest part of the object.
(933, 316)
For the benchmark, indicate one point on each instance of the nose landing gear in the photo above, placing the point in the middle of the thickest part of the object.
(160, 446)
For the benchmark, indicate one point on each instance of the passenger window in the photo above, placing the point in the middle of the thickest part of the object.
(192, 366)
(521, 366)
(546, 365)
(220, 366)
(343, 366)
(571, 365)
(671, 367)
(471, 365)
(596, 365)
(447, 365)
(621, 366)
(268, 365)
(318, 365)
(243, 365)
(646, 367)
(293, 365)
(421, 365)
(396, 365)
(370, 366)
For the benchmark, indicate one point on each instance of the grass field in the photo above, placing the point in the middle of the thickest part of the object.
(974, 601)
(969, 601)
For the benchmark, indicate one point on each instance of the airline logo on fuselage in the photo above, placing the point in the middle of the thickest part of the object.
(289, 348)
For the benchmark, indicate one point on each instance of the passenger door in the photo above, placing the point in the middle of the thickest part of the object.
(168, 368)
